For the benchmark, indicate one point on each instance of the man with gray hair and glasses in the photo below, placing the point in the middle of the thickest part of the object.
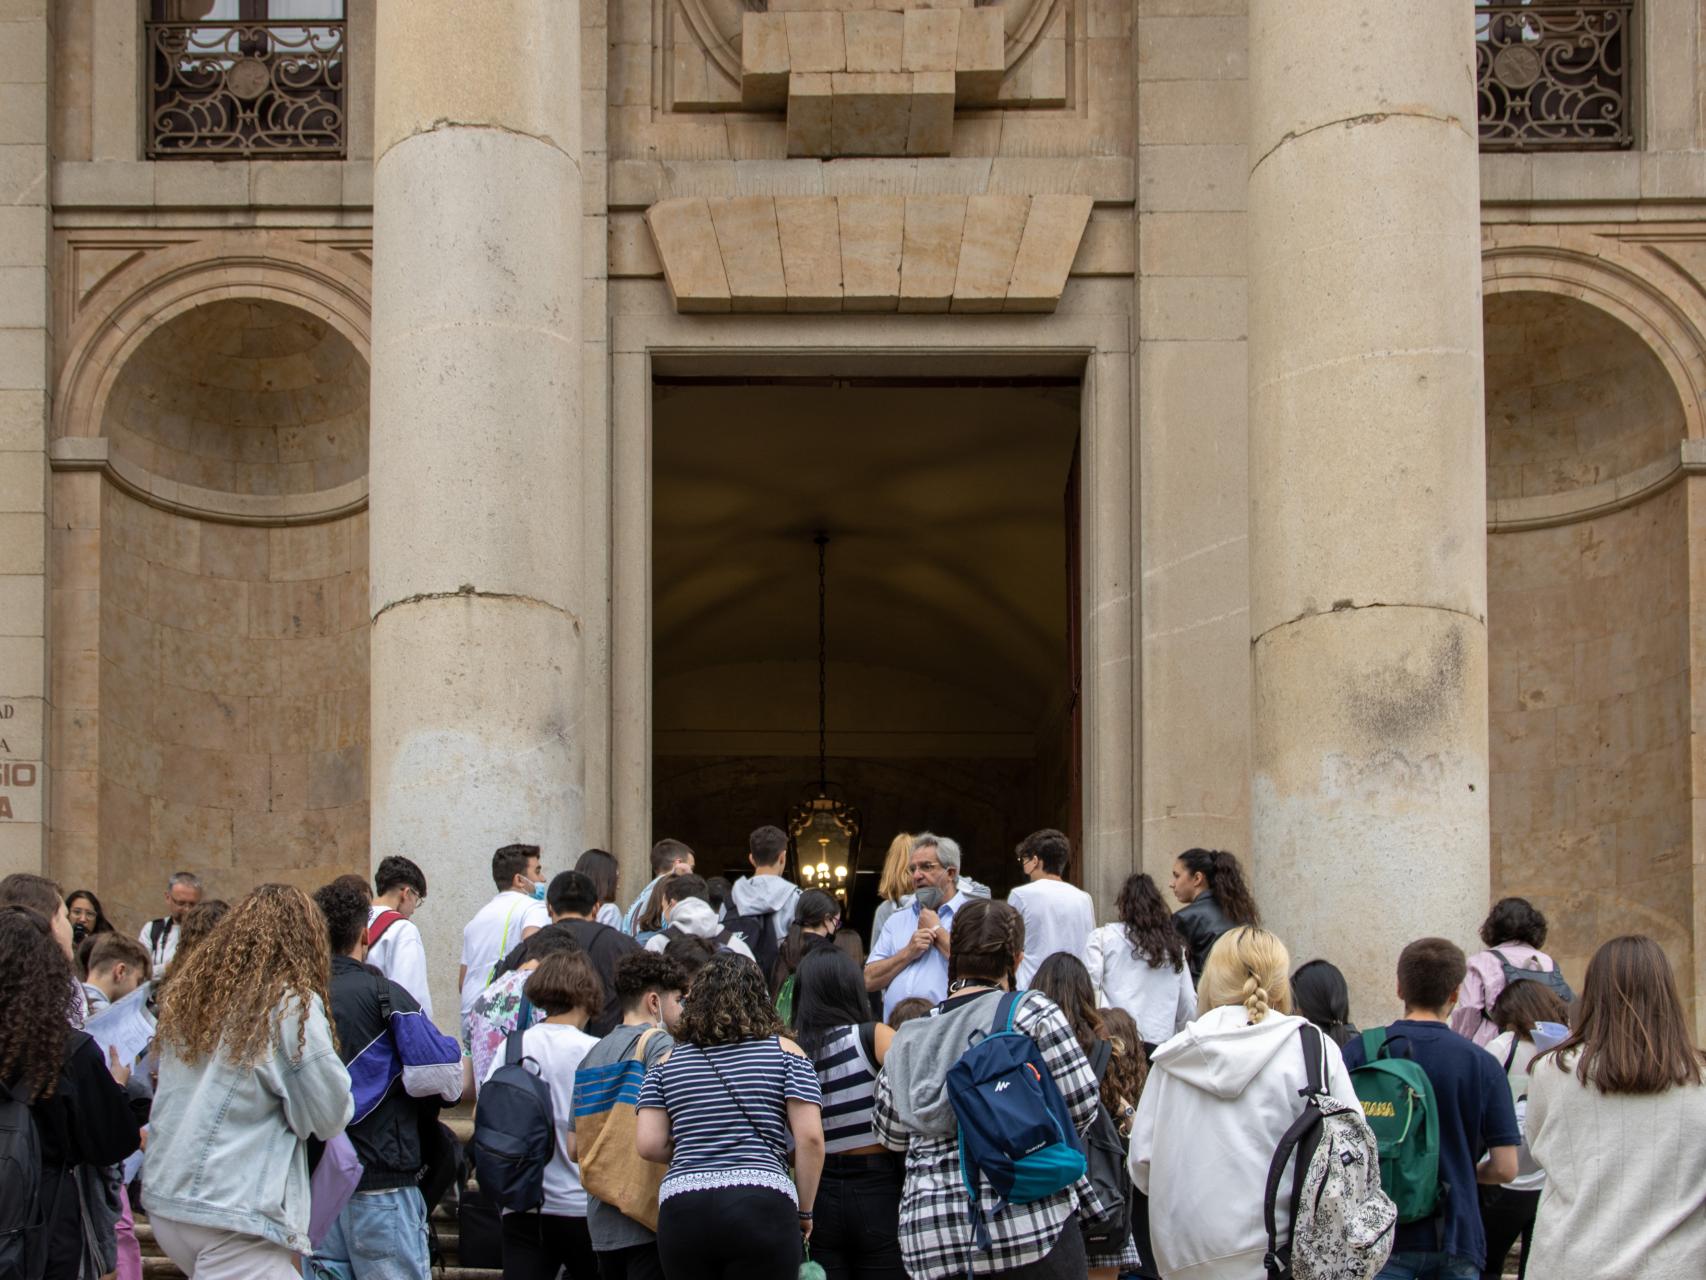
(910, 956)
(160, 936)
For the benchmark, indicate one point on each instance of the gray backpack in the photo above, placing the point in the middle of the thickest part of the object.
(1548, 978)
(1342, 1223)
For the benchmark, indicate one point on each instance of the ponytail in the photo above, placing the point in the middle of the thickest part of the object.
(1226, 882)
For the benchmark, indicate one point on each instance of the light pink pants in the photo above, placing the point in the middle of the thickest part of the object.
(129, 1251)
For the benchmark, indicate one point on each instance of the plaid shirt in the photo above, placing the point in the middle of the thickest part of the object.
(936, 1241)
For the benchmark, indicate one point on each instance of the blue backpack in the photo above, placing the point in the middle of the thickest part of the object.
(1015, 1130)
(513, 1133)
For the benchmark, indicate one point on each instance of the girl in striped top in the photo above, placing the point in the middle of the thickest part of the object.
(720, 1110)
(858, 1201)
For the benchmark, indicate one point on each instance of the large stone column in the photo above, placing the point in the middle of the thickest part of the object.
(1367, 489)
(476, 533)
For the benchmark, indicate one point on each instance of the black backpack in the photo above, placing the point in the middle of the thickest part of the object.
(1105, 1154)
(762, 941)
(514, 1132)
(23, 1233)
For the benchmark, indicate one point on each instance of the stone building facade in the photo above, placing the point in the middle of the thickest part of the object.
(1262, 424)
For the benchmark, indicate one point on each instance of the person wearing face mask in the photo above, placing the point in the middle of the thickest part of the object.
(687, 913)
(517, 912)
(910, 955)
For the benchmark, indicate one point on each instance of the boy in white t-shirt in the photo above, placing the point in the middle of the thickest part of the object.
(394, 944)
(517, 912)
(1058, 916)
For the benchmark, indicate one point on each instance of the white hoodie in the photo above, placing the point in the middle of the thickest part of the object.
(700, 919)
(1220, 1096)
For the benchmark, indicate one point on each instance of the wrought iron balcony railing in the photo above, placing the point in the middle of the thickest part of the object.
(246, 89)
(1555, 76)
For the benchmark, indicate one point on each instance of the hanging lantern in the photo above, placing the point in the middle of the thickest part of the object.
(824, 829)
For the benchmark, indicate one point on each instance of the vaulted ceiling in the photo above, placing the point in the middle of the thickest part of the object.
(945, 510)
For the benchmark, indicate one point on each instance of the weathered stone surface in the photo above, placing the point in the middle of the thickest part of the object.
(764, 61)
(988, 246)
(692, 260)
(979, 59)
(870, 113)
(872, 234)
(751, 251)
(1052, 233)
(810, 121)
(810, 233)
(930, 252)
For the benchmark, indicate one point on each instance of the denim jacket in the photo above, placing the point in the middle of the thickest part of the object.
(228, 1145)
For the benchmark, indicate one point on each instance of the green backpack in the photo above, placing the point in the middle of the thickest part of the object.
(1398, 1100)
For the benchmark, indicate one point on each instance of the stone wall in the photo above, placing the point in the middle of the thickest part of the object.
(1589, 710)
(233, 702)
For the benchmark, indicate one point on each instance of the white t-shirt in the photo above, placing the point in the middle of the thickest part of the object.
(558, 1049)
(160, 953)
(400, 956)
(487, 938)
(1058, 917)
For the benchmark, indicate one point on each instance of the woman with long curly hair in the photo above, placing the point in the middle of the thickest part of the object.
(1141, 963)
(1063, 979)
(719, 1111)
(249, 1073)
(81, 1114)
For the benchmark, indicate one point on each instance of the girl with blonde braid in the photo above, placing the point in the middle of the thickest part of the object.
(1219, 1097)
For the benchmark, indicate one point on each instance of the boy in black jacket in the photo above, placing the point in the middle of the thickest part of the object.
(397, 1061)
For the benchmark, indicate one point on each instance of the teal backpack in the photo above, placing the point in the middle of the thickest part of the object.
(1398, 1101)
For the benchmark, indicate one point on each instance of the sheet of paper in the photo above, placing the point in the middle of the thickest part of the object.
(125, 1025)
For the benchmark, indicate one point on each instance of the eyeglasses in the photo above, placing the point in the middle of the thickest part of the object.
(1024, 858)
(926, 866)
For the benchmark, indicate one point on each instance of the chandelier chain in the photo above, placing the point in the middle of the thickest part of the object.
(822, 541)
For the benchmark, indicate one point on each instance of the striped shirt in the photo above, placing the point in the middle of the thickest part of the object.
(715, 1096)
(849, 1082)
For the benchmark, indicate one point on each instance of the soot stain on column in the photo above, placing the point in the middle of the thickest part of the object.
(1396, 703)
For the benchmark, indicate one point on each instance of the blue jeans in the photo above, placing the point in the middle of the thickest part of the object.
(380, 1235)
(1429, 1266)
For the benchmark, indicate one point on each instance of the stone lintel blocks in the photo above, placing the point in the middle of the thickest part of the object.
(871, 82)
(981, 253)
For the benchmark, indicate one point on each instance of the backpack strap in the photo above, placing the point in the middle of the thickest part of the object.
(868, 1042)
(1005, 1010)
(1511, 1056)
(1297, 1142)
(381, 922)
(382, 994)
(1314, 1057)
(512, 1047)
(1100, 1057)
(156, 931)
(1374, 1044)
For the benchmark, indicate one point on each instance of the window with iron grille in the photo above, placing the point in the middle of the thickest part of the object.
(1554, 76)
(246, 79)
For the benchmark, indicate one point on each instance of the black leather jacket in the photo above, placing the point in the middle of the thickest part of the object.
(1201, 921)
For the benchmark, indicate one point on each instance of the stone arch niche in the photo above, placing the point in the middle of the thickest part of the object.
(1588, 625)
(233, 610)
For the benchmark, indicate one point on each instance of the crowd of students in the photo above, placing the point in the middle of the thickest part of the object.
(719, 1081)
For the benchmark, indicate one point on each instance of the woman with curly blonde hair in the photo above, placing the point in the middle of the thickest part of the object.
(249, 1073)
(1219, 1097)
(718, 1110)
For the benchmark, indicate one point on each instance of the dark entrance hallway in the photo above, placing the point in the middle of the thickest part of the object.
(949, 650)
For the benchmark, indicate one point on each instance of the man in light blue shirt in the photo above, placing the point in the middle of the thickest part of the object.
(910, 955)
